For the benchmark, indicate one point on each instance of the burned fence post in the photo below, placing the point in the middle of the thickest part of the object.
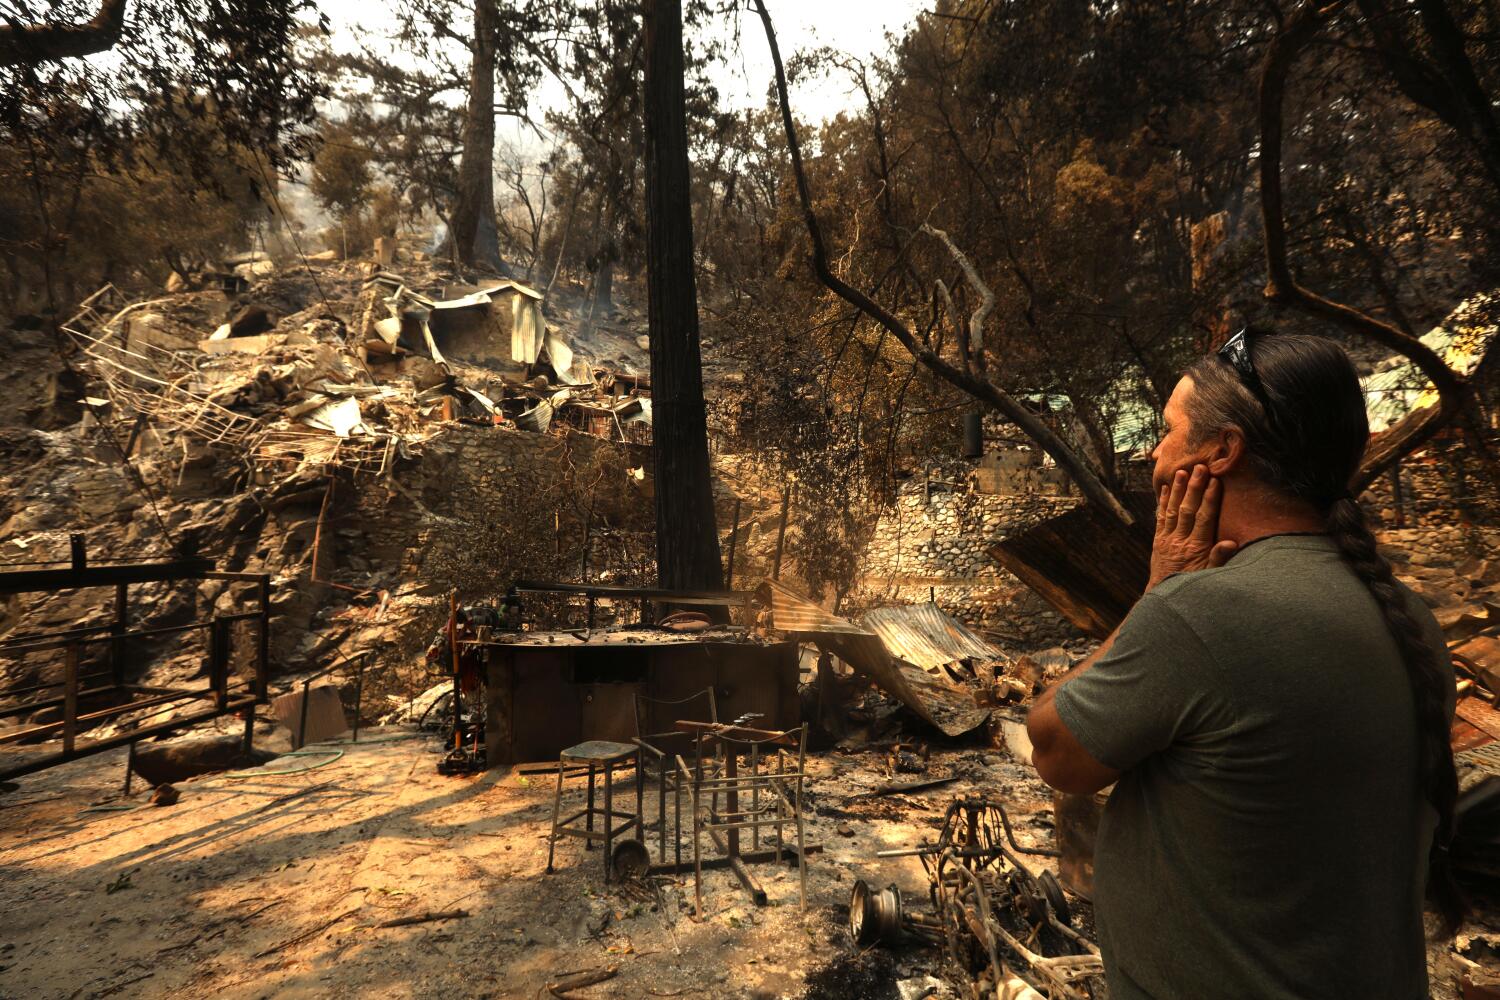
(359, 693)
(70, 697)
(218, 661)
(117, 632)
(263, 641)
(302, 719)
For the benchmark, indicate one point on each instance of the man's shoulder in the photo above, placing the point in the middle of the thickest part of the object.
(1183, 591)
(1255, 571)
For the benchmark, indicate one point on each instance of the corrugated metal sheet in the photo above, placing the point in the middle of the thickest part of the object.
(1397, 386)
(924, 635)
(934, 698)
(791, 612)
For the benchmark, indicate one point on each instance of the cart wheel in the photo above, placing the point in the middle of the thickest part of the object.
(861, 920)
(631, 858)
(1055, 897)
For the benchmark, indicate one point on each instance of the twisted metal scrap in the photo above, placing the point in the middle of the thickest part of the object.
(977, 881)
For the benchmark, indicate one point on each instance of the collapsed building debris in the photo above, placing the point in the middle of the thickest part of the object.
(1082, 565)
(250, 421)
(923, 634)
(309, 396)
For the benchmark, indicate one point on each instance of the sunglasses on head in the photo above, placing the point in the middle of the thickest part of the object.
(1236, 351)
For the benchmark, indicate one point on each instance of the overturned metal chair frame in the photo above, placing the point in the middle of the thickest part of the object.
(657, 750)
(774, 783)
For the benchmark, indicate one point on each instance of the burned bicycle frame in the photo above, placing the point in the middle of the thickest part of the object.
(995, 920)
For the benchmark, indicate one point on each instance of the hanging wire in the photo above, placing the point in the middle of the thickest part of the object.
(290, 229)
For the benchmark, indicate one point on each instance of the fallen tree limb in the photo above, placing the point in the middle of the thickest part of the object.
(310, 932)
(898, 787)
(563, 987)
(37, 43)
(424, 918)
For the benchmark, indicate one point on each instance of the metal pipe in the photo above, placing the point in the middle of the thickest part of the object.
(32, 706)
(62, 642)
(117, 630)
(13, 641)
(48, 728)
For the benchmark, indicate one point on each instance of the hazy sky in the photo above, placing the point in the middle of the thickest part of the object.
(856, 28)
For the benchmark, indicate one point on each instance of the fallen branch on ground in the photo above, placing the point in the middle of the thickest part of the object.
(563, 987)
(305, 934)
(423, 918)
(896, 787)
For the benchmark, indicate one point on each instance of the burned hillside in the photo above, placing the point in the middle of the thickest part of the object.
(939, 499)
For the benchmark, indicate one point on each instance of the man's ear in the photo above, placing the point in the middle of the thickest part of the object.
(1226, 451)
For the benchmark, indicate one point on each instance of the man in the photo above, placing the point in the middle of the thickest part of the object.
(1273, 712)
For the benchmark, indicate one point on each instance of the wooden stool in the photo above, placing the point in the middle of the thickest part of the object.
(597, 755)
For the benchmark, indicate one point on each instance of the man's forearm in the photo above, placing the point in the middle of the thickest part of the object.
(1057, 755)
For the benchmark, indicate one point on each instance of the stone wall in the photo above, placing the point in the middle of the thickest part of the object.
(935, 544)
(1441, 485)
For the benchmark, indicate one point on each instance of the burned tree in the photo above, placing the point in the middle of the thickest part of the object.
(1447, 86)
(970, 378)
(473, 233)
(687, 547)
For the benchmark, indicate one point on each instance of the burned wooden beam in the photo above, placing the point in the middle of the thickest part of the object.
(1084, 564)
(33, 580)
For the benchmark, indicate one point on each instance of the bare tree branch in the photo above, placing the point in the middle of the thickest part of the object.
(986, 297)
(1282, 287)
(1030, 423)
(36, 43)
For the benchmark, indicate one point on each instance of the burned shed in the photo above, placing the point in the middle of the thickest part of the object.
(499, 326)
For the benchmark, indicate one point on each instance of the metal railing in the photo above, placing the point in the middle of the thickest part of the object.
(222, 696)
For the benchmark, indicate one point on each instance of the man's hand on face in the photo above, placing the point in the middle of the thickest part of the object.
(1187, 526)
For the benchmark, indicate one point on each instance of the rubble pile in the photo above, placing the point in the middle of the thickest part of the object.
(306, 422)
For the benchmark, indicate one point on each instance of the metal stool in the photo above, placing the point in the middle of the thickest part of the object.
(597, 755)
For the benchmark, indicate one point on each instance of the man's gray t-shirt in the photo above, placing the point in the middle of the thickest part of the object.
(1268, 838)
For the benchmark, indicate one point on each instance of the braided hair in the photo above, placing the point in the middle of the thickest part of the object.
(1309, 448)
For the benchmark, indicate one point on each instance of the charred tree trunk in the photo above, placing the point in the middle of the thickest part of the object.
(474, 235)
(604, 280)
(687, 539)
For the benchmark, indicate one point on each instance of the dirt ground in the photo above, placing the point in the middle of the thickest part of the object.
(261, 885)
(256, 886)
